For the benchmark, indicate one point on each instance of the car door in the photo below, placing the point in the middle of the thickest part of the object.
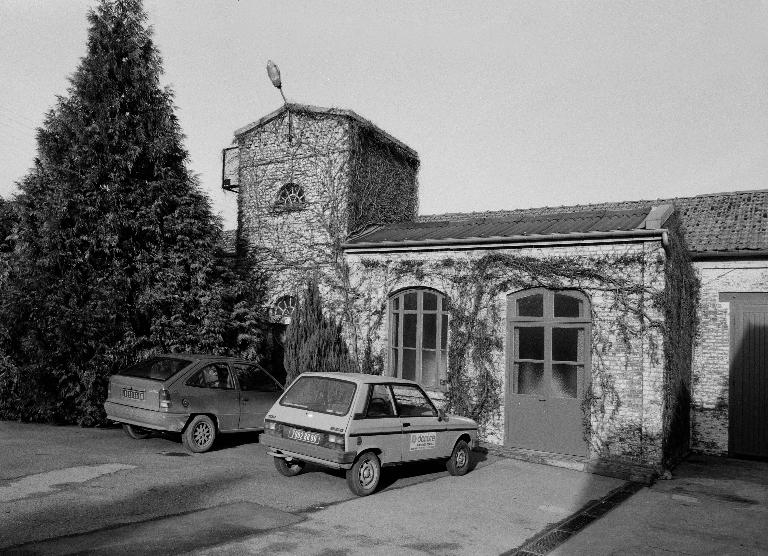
(378, 426)
(211, 390)
(423, 431)
(258, 392)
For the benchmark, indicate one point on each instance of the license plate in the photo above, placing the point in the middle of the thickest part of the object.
(132, 394)
(305, 436)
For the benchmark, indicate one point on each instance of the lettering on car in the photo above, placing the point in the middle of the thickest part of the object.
(423, 441)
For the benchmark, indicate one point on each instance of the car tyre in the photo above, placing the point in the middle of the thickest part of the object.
(363, 477)
(199, 435)
(288, 468)
(137, 433)
(458, 463)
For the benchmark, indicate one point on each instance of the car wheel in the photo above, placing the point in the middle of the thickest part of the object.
(199, 434)
(288, 468)
(137, 433)
(363, 477)
(458, 463)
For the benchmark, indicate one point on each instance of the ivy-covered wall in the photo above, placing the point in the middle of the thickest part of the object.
(352, 176)
(634, 289)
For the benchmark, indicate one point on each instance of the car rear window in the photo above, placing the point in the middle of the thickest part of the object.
(157, 368)
(321, 394)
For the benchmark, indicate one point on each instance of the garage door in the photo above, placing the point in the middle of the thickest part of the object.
(748, 391)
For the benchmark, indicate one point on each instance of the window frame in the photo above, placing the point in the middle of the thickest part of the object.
(395, 335)
(283, 202)
(548, 321)
(285, 313)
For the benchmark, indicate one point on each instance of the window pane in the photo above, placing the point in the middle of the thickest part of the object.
(411, 402)
(396, 303)
(381, 403)
(531, 306)
(409, 330)
(430, 301)
(429, 368)
(565, 344)
(394, 363)
(530, 342)
(567, 305)
(564, 380)
(409, 364)
(217, 376)
(409, 300)
(326, 395)
(444, 333)
(429, 325)
(395, 329)
(156, 368)
(530, 378)
(253, 378)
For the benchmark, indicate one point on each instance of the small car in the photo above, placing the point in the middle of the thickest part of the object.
(199, 396)
(361, 422)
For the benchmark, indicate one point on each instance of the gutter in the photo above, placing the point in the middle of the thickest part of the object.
(509, 241)
(726, 255)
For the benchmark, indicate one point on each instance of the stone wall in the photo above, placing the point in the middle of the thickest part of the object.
(625, 404)
(711, 358)
(337, 161)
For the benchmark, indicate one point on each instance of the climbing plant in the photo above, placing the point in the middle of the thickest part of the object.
(637, 305)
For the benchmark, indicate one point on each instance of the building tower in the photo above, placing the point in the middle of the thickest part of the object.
(307, 178)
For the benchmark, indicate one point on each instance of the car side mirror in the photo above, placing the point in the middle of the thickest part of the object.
(441, 415)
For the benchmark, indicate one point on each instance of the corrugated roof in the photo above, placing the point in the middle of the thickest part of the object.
(517, 225)
(716, 222)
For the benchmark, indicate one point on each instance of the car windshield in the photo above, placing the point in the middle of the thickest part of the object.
(156, 368)
(321, 394)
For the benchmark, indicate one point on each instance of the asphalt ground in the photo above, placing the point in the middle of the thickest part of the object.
(711, 506)
(67, 490)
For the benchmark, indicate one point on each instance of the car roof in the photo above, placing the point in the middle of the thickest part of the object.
(362, 378)
(203, 357)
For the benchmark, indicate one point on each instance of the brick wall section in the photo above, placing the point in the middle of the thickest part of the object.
(626, 419)
(711, 358)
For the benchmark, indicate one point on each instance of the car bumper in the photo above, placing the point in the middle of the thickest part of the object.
(284, 447)
(146, 418)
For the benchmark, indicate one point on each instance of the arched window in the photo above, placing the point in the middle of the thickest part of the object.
(290, 197)
(283, 308)
(549, 335)
(418, 336)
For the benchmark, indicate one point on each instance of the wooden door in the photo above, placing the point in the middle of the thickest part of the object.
(748, 392)
(547, 371)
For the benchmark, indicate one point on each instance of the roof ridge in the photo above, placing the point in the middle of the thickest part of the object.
(594, 206)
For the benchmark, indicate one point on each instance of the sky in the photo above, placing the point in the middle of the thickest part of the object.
(509, 104)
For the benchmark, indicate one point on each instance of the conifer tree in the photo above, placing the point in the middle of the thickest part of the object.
(314, 342)
(116, 251)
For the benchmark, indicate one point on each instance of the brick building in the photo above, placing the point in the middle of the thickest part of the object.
(609, 336)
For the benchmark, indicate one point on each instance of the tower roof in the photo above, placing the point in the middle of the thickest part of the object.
(339, 112)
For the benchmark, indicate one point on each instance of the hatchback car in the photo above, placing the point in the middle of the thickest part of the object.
(199, 396)
(361, 422)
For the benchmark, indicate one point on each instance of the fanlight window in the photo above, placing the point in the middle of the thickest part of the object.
(418, 336)
(284, 308)
(290, 197)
